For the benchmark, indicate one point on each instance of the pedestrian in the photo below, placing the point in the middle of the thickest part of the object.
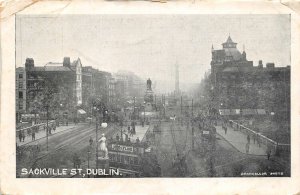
(258, 141)
(137, 140)
(20, 136)
(254, 138)
(23, 136)
(225, 130)
(248, 139)
(91, 141)
(33, 135)
(247, 147)
(57, 122)
(269, 153)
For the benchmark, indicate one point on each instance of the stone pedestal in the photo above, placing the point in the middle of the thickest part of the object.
(148, 107)
(148, 100)
(103, 163)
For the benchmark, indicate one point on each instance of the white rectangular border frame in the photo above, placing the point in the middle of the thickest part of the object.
(9, 184)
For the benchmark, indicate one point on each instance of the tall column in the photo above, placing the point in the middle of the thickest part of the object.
(177, 79)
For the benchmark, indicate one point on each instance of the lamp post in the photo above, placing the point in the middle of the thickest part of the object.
(95, 108)
(144, 111)
(89, 159)
(47, 129)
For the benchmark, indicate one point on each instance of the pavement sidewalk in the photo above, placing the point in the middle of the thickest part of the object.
(239, 140)
(140, 132)
(42, 134)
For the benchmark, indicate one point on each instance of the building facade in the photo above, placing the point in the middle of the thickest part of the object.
(96, 85)
(20, 92)
(128, 85)
(54, 86)
(237, 84)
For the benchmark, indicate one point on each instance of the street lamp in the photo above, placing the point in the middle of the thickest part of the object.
(144, 111)
(89, 152)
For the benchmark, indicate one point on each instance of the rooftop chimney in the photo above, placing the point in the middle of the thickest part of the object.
(260, 64)
(29, 63)
(67, 62)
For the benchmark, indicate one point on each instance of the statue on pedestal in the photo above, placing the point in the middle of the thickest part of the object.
(149, 83)
(103, 152)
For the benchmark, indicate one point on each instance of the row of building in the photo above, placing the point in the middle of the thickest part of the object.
(237, 84)
(68, 87)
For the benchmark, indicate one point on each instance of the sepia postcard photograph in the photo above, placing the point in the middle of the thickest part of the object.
(173, 96)
(125, 96)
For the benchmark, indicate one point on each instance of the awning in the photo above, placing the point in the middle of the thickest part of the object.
(80, 111)
(224, 112)
(261, 111)
(249, 112)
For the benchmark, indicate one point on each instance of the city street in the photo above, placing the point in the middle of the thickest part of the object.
(225, 161)
(62, 147)
(228, 116)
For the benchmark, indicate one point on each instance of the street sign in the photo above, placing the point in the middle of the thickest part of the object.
(122, 148)
(205, 132)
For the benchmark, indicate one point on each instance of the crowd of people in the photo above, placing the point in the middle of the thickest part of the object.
(34, 130)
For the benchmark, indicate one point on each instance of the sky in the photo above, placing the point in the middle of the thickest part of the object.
(151, 45)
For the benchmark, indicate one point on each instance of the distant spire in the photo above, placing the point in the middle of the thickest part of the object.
(243, 48)
(212, 47)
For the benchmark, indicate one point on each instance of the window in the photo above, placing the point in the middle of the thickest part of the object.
(20, 95)
(20, 84)
(20, 105)
(20, 76)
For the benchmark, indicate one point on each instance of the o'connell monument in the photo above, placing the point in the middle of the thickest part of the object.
(148, 97)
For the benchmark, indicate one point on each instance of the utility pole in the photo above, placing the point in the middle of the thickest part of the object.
(89, 158)
(96, 142)
(181, 105)
(144, 114)
(121, 132)
(164, 106)
(192, 124)
(47, 107)
(155, 101)
(133, 108)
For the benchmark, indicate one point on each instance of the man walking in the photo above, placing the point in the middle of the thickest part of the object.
(258, 141)
(23, 136)
(33, 135)
(20, 136)
(248, 139)
(254, 138)
(268, 153)
(247, 147)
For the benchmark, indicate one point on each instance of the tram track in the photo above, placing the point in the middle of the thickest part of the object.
(82, 135)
